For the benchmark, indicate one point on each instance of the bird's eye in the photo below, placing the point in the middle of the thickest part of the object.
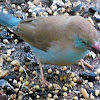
(83, 42)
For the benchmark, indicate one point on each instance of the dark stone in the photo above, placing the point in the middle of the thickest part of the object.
(9, 90)
(75, 9)
(27, 48)
(91, 91)
(90, 76)
(93, 10)
(2, 82)
(10, 78)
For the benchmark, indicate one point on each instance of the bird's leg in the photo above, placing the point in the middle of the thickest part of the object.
(44, 82)
(82, 62)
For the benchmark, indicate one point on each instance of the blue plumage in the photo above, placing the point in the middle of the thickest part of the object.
(8, 20)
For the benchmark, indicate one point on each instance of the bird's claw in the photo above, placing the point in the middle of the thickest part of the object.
(82, 63)
(44, 82)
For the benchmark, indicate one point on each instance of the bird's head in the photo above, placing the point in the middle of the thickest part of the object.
(85, 35)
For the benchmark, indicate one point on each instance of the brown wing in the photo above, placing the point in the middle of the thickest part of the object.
(42, 32)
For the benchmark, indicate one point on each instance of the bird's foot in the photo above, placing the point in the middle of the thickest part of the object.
(82, 63)
(44, 82)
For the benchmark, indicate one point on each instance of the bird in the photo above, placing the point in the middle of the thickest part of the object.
(56, 40)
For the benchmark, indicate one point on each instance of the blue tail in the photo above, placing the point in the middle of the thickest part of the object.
(8, 20)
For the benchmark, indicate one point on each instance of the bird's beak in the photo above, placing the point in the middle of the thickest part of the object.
(96, 48)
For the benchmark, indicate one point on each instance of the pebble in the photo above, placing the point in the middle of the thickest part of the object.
(65, 94)
(3, 73)
(90, 76)
(90, 84)
(2, 82)
(98, 71)
(15, 63)
(97, 92)
(92, 97)
(50, 71)
(21, 70)
(9, 90)
(10, 77)
(84, 93)
(90, 20)
(5, 41)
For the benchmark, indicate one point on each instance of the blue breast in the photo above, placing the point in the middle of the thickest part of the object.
(59, 58)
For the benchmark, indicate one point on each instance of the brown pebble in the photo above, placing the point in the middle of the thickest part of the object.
(84, 93)
(3, 73)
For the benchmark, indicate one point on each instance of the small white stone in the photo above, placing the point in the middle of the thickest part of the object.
(99, 25)
(65, 94)
(18, 7)
(13, 6)
(92, 97)
(15, 81)
(5, 41)
(90, 20)
(50, 71)
(75, 98)
(97, 92)
(49, 95)
(98, 71)
(15, 63)
(91, 84)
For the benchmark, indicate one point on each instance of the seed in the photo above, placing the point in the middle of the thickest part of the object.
(91, 84)
(98, 71)
(64, 68)
(5, 41)
(50, 71)
(97, 78)
(34, 14)
(21, 79)
(56, 91)
(99, 25)
(55, 13)
(13, 5)
(21, 70)
(90, 20)
(18, 7)
(15, 63)
(37, 96)
(72, 84)
(62, 10)
(19, 83)
(49, 95)
(88, 0)
(15, 81)
(55, 97)
(37, 87)
(16, 90)
(75, 98)
(97, 92)
(74, 79)
(64, 88)
(34, 72)
(26, 14)
(92, 97)
(84, 93)
(66, 14)
(27, 83)
(16, 41)
(50, 86)
(57, 72)
(9, 59)
(50, 11)
(65, 94)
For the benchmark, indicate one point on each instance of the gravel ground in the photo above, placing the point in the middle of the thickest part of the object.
(20, 54)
